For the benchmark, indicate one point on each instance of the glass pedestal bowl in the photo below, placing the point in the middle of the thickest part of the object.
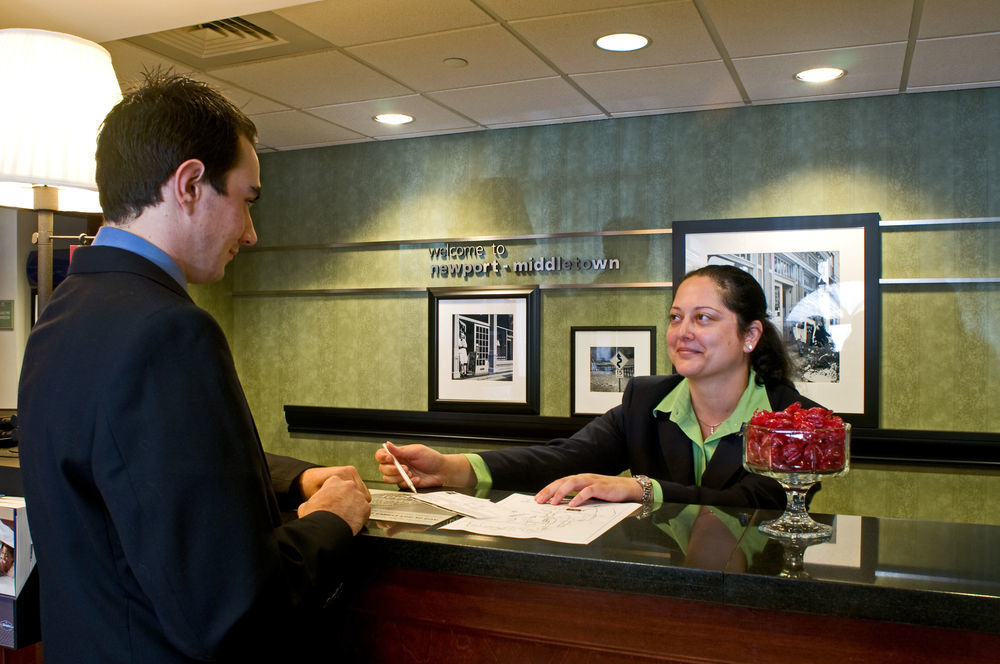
(797, 459)
(793, 556)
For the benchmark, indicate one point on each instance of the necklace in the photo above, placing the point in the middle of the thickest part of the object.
(711, 427)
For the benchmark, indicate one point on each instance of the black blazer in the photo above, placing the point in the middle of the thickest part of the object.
(150, 503)
(629, 437)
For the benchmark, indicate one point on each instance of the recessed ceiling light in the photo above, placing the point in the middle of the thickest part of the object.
(622, 41)
(820, 74)
(455, 63)
(393, 118)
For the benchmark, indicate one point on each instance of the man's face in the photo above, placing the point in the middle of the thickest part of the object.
(223, 223)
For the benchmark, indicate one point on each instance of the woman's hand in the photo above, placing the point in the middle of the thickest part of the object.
(425, 466)
(611, 488)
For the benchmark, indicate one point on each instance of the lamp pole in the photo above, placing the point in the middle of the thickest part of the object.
(46, 201)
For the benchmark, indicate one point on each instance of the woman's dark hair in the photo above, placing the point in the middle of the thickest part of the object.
(742, 295)
(155, 128)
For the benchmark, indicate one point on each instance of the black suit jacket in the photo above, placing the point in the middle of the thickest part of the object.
(629, 437)
(150, 502)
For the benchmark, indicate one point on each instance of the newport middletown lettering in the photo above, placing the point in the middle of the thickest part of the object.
(501, 262)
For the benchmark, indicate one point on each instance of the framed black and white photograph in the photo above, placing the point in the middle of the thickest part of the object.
(820, 275)
(484, 345)
(603, 360)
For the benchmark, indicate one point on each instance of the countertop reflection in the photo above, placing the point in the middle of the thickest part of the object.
(899, 570)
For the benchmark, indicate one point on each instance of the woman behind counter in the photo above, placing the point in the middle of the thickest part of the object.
(679, 435)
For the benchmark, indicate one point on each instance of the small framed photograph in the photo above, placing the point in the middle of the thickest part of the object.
(603, 360)
(820, 275)
(483, 349)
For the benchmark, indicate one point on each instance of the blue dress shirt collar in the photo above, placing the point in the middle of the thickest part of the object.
(109, 236)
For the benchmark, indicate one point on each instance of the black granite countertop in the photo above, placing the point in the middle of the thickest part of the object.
(917, 572)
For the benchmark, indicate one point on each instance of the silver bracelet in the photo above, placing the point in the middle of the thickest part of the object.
(647, 496)
(647, 488)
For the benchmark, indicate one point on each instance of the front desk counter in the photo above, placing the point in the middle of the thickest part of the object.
(683, 584)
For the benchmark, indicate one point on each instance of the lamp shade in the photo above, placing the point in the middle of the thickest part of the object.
(55, 90)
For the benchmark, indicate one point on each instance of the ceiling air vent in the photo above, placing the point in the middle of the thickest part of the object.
(231, 41)
(218, 38)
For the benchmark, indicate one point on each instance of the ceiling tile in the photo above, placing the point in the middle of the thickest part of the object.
(701, 85)
(525, 101)
(129, 61)
(492, 53)
(245, 100)
(352, 22)
(948, 18)
(956, 60)
(676, 32)
(306, 81)
(294, 129)
(768, 27)
(869, 69)
(428, 116)
(515, 9)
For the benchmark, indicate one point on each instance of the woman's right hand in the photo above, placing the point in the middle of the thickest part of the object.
(425, 466)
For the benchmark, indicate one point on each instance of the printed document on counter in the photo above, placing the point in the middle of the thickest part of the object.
(402, 507)
(523, 518)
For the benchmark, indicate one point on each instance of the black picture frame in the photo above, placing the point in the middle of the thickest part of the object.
(830, 261)
(596, 384)
(499, 372)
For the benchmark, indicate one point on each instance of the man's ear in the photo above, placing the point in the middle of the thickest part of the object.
(187, 184)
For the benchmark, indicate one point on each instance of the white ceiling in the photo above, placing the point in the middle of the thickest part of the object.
(533, 61)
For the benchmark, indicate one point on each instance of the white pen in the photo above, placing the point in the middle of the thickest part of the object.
(402, 472)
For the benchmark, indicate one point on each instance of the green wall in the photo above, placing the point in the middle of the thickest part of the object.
(918, 156)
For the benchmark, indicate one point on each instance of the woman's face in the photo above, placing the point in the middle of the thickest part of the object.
(703, 336)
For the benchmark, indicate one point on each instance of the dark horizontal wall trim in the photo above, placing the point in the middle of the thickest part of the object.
(937, 448)
(509, 428)
(941, 448)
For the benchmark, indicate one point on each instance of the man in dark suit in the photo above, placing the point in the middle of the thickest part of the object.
(155, 516)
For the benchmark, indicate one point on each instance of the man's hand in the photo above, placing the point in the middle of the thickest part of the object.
(341, 493)
(313, 478)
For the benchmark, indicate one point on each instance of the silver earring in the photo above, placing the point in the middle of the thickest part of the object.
(749, 348)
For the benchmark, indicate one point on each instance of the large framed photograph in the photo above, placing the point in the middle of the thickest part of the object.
(483, 349)
(603, 360)
(820, 275)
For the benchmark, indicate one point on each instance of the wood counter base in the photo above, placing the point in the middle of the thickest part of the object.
(407, 615)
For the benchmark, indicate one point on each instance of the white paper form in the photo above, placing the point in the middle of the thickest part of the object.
(400, 507)
(524, 518)
(478, 508)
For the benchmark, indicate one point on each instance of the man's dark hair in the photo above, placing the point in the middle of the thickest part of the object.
(156, 127)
